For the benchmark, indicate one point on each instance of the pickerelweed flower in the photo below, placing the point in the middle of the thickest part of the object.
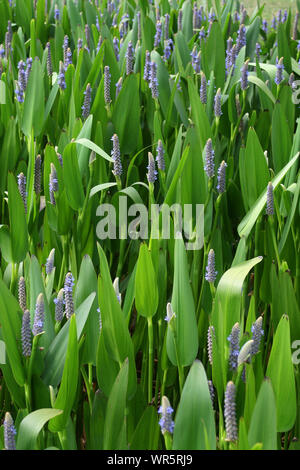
(28, 68)
(26, 334)
(241, 39)
(195, 18)
(274, 23)
(80, 45)
(211, 391)
(2, 51)
(152, 173)
(211, 273)
(258, 51)
(53, 184)
(129, 58)
(37, 175)
(107, 85)
(68, 294)
(230, 413)
(115, 153)
(87, 36)
(179, 20)
(196, 56)
(147, 67)
(245, 352)
(69, 58)
(22, 189)
(270, 199)
(257, 334)
(160, 156)
(61, 76)
(284, 16)
(7, 45)
(59, 157)
(38, 323)
(22, 293)
(118, 86)
(56, 13)
(87, 102)
(210, 334)
(157, 37)
(168, 49)
(170, 313)
(202, 34)
(97, 23)
(9, 432)
(228, 62)
(295, 27)
(265, 26)
(19, 93)
(244, 76)
(50, 262)
(243, 16)
(117, 290)
(203, 89)
(167, 26)
(209, 159)
(153, 80)
(49, 60)
(279, 71)
(65, 49)
(116, 47)
(139, 34)
(100, 319)
(234, 342)
(59, 306)
(221, 187)
(279, 16)
(165, 410)
(22, 75)
(217, 106)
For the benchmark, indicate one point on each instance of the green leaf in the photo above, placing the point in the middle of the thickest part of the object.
(195, 424)
(95, 148)
(34, 103)
(31, 426)
(117, 339)
(126, 115)
(67, 390)
(263, 421)
(116, 410)
(72, 177)
(142, 439)
(17, 220)
(184, 308)
(11, 321)
(281, 373)
(146, 292)
(249, 220)
(56, 354)
(281, 138)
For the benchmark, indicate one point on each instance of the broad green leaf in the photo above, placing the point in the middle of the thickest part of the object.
(34, 103)
(250, 218)
(72, 177)
(184, 308)
(263, 422)
(281, 373)
(68, 387)
(116, 410)
(146, 292)
(31, 426)
(17, 220)
(195, 424)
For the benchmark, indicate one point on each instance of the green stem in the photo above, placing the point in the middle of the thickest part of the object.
(150, 362)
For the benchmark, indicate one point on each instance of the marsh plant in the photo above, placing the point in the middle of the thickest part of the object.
(149, 225)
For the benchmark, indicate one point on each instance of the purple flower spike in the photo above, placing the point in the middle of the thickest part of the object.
(270, 199)
(152, 173)
(87, 102)
(160, 156)
(165, 410)
(9, 432)
(257, 333)
(38, 323)
(115, 153)
(222, 177)
(279, 72)
(230, 413)
(26, 334)
(234, 340)
(209, 159)
(153, 80)
(107, 85)
(68, 293)
(211, 273)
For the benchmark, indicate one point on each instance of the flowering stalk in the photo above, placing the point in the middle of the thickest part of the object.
(166, 422)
